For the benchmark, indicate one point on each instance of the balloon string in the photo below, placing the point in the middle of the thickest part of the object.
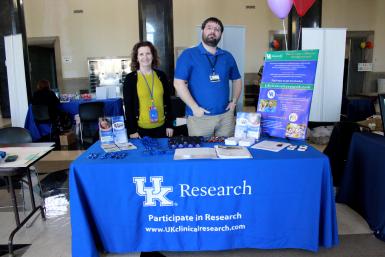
(299, 32)
(284, 31)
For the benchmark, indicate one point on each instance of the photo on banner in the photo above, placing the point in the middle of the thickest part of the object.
(286, 92)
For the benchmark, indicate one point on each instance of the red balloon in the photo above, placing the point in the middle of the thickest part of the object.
(302, 6)
(275, 44)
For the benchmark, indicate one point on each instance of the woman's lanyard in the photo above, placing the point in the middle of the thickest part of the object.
(213, 76)
(153, 112)
(148, 86)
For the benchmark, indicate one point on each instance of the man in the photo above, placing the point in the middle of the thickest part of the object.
(202, 81)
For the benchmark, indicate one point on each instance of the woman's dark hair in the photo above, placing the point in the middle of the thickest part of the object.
(134, 55)
(43, 84)
(215, 20)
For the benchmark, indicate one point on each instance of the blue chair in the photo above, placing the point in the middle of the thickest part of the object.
(43, 120)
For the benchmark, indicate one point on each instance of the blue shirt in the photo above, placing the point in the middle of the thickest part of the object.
(194, 67)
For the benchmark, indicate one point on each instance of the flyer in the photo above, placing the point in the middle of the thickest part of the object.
(119, 130)
(248, 124)
(105, 130)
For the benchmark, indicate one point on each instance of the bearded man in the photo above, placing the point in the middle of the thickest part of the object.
(201, 80)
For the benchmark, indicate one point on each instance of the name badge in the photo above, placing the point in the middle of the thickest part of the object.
(153, 114)
(214, 78)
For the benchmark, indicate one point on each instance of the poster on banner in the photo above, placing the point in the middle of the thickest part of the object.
(286, 92)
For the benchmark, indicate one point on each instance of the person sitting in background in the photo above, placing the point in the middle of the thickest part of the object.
(45, 96)
(146, 94)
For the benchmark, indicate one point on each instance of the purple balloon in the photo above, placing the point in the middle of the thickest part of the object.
(280, 8)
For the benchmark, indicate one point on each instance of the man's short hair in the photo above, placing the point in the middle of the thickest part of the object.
(215, 20)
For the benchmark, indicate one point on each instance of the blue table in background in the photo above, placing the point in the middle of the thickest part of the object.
(149, 202)
(357, 108)
(112, 107)
(363, 181)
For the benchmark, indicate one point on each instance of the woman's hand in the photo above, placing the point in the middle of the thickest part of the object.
(169, 132)
(135, 135)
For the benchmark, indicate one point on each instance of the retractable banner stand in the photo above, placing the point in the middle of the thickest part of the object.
(286, 92)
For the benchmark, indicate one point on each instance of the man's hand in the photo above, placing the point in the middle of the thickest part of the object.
(231, 106)
(199, 111)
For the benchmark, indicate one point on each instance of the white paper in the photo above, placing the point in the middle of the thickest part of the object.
(270, 146)
(195, 153)
(232, 152)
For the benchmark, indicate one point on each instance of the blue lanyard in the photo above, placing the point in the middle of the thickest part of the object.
(148, 86)
(212, 65)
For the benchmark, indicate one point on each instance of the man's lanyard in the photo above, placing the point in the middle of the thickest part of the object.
(212, 65)
(148, 86)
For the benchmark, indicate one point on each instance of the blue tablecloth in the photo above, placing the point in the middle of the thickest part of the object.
(358, 108)
(112, 107)
(363, 181)
(150, 202)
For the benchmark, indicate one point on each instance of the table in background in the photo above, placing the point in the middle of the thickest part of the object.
(112, 107)
(357, 108)
(290, 205)
(363, 181)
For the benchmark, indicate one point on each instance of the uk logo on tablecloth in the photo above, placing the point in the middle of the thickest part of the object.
(156, 193)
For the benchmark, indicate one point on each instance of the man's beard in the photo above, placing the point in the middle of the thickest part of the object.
(213, 42)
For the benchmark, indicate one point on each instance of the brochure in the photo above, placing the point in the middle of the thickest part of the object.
(232, 152)
(248, 124)
(113, 134)
(105, 130)
(273, 146)
(119, 130)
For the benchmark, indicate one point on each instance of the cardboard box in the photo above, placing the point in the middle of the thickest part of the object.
(67, 138)
(373, 123)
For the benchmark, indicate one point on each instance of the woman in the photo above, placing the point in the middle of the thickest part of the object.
(45, 96)
(146, 93)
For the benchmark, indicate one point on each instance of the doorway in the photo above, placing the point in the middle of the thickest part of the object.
(43, 65)
(355, 81)
(45, 61)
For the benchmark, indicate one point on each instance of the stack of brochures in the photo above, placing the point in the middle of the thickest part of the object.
(248, 125)
(113, 134)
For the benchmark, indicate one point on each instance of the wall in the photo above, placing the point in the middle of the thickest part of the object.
(105, 28)
(359, 15)
(257, 21)
(110, 28)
